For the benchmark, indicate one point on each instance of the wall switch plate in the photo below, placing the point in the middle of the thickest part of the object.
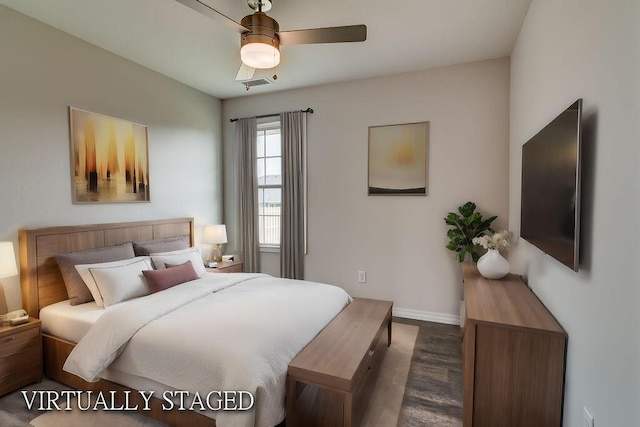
(588, 418)
(362, 276)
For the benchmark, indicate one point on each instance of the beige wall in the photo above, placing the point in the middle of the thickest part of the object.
(588, 49)
(399, 241)
(44, 71)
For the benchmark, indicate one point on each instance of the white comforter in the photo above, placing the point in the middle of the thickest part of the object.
(220, 332)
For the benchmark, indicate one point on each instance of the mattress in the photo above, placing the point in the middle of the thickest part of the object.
(69, 322)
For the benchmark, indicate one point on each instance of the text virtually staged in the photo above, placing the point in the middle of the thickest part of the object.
(181, 400)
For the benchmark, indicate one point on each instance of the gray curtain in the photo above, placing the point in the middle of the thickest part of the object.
(247, 191)
(293, 127)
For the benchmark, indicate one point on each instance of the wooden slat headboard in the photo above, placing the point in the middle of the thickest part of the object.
(40, 276)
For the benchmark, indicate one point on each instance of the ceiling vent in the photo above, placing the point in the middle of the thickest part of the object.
(256, 82)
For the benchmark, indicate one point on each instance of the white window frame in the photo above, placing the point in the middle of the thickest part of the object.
(264, 125)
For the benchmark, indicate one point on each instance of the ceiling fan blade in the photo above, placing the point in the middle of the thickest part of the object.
(245, 72)
(350, 33)
(207, 10)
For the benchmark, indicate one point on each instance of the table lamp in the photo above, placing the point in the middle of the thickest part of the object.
(217, 236)
(7, 269)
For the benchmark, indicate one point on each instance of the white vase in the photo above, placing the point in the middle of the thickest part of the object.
(492, 265)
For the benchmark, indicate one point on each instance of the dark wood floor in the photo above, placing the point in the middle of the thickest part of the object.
(433, 393)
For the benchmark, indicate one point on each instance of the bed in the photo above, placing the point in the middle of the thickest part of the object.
(43, 287)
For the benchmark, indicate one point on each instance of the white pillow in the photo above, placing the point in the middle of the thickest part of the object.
(180, 257)
(117, 284)
(88, 278)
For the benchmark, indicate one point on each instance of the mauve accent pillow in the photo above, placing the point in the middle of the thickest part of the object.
(161, 245)
(77, 290)
(159, 280)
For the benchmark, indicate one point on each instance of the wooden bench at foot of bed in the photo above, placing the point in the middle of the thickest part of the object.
(330, 381)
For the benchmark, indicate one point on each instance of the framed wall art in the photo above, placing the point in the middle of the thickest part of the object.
(109, 159)
(398, 159)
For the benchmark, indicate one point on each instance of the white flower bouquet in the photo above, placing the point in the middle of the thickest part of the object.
(499, 240)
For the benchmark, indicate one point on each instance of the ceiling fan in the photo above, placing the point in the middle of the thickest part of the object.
(260, 35)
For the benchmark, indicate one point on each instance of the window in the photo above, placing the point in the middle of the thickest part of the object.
(269, 172)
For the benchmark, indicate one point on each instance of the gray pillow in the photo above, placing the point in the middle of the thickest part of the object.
(77, 290)
(161, 245)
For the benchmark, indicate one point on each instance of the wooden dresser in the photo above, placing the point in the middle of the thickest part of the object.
(514, 355)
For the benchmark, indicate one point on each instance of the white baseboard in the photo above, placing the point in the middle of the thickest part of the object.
(427, 316)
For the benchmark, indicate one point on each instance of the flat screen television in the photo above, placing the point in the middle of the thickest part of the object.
(550, 207)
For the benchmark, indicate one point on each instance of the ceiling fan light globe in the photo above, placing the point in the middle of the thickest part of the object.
(260, 55)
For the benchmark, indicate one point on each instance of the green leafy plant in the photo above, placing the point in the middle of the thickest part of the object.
(464, 227)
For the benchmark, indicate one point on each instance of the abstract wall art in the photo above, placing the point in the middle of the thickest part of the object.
(109, 159)
(398, 159)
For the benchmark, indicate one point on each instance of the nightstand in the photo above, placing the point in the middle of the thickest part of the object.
(227, 267)
(20, 355)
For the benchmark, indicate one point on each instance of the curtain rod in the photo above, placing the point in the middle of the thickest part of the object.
(308, 110)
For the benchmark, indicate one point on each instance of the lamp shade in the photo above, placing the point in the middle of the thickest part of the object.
(260, 55)
(215, 234)
(7, 260)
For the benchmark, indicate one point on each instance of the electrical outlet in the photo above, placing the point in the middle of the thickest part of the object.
(588, 418)
(362, 276)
